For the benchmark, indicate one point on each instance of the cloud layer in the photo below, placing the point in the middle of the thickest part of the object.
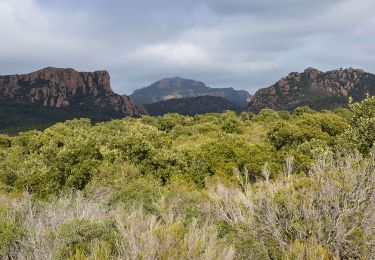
(245, 44)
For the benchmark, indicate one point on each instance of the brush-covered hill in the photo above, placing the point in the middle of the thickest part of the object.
(54, 94)
(314, 88)
(191, 106)
(173, 88)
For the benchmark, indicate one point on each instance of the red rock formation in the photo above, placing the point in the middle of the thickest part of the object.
(320, 90)
(67, 88)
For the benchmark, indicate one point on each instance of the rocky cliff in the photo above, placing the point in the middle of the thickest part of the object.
(64, 91)
(174, 88)
(317, 89)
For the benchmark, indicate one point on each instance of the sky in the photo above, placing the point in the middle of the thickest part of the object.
(245, 44)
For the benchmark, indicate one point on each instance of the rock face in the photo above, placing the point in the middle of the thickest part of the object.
(65, 91)
(62, 88)
(319, 90)
(173, 88)
(191, 106)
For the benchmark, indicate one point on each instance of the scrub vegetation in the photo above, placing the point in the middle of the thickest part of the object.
(272, 185)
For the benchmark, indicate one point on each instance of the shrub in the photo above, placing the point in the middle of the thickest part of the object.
(330, 213)
(231, 124)
(80, 235)
(149, 237)
(10, 232)
(303, 110)
(5, 141)
(362, 131)
(140, 192)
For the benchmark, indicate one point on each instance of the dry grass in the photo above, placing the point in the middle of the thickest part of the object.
(140, 235)
(331, 212)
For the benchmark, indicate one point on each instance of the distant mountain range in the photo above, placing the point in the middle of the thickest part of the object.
(53, 94)
(316, 89)
(173, 88)
(191, 106)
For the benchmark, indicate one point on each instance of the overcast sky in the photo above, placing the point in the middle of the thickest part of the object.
(245, 44)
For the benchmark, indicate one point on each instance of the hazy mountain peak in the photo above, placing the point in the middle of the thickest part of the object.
(177, 87)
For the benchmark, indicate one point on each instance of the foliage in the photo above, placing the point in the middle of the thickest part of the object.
(10, 231)
(362, 131)
(272, 185)
(79, 234)
(327, 215)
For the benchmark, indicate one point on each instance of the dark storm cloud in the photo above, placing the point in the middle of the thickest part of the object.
(241, 43)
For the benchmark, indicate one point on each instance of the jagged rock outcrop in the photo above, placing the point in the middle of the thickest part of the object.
(173, 88)
(62, 88)
(61, 93)
(317, 89)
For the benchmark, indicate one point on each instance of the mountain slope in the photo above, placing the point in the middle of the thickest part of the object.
(191, 106)
(319, 90)
(54, 94)
(172, 88)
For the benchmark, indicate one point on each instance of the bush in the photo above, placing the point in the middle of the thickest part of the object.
(81, 235)
(10, 232)
(221, 157)
(140, 144)
(296, 132)
(231, 124)
(362, 131)
(319, 213)
(5, 141)
(138, 193)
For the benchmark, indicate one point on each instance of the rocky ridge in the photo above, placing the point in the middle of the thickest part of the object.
(47, 96)
(66, 88)
(317, 89)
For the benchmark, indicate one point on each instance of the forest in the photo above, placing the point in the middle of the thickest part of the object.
(271, 185)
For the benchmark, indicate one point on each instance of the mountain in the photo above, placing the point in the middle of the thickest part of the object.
(314, 88)
(191, 106)
(53, 94)
(172, 88)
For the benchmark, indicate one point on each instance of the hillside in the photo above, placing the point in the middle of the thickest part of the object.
(54, 94)
(191, 106)
(314, 88)
(172, 88)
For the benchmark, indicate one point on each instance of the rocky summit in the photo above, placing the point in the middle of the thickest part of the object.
(61, 93)
(174, 88)
(314, 88)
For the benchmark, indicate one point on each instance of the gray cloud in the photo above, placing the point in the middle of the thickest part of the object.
(246, 44)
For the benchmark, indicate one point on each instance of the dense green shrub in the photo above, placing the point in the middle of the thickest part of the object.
(231, 124)
(5, 141)
(227, 154)
(138, 193)
(246, 116)
(81, 235)
(303, 110)
(10, 231)
(362, 131)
